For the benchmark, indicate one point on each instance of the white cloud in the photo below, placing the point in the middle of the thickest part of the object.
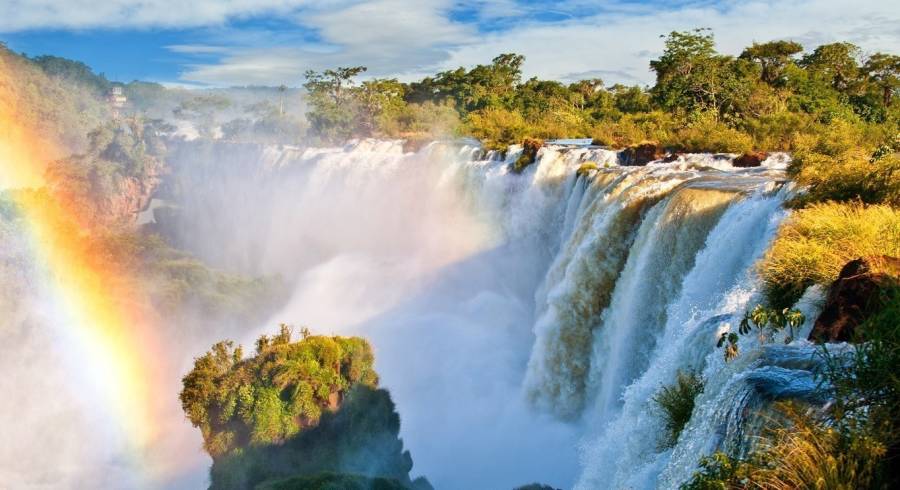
(411, 38)
(18, 15)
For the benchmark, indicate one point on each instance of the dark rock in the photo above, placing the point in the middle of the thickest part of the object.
(641, 154)
(671, 157)
(751, 159)
(853, 297)
(530, 147)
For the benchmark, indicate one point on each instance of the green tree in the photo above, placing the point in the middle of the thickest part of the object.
(691, 76)
(883, 71)
(835, 63)
(331, 97)
(772, 57)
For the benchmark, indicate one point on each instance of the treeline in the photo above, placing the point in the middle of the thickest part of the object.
(774, 96)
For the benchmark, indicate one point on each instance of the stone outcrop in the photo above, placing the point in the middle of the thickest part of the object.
(853, 297)
(751, 159)
(530, 147)
(131, 195)
(641, 154)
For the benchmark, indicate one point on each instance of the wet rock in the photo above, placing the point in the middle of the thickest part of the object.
(530, 147)
(853, 297)
(751, 159)
(671, 157)
(641, 154)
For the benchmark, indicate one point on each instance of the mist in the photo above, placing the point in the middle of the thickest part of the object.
(432, 256)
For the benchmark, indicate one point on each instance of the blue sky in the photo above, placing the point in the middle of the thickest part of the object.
(240, 42)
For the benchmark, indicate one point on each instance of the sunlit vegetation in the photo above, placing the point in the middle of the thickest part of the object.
(296, 412)
(816, 242)
(774, 96)
(286, 386)
(767, 322)
(677, 404)
(56, 98)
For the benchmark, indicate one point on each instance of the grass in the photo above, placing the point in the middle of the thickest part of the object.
(816, 242)
(806, 454)
(677, 404)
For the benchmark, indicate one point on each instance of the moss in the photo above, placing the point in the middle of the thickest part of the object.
(586, 168)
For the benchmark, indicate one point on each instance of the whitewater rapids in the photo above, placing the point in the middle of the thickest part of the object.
(523, 322)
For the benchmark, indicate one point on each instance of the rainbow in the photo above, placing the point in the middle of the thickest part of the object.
(106, 319)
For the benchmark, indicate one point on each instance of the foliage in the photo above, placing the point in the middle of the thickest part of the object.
(717, 472)
(851, 176)
(56, 107)
(677, 404)
(865, 383)
(805, 454)
(814, 243)
(267, 398)
(72, 72)
(705, 133)
(702, 101)
(360, 437)
(768, 322)
(772, 57)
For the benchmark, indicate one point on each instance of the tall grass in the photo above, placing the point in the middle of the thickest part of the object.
(809, 455)
(816, 242)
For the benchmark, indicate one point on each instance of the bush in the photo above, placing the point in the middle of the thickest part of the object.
(677, 404)
(814, 244)
(804, 453)
(717, 472)
(709, 135)
(849, 176)
(332, 481)
(865, 384)
(632, 129)
(497, 128)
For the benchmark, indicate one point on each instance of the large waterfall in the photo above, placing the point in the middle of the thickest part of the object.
(523, 322)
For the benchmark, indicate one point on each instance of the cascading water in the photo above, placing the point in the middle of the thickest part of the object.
(522, 322)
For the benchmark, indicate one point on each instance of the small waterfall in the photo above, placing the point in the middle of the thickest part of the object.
(714, 294)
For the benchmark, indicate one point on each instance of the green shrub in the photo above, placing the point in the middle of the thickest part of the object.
(709, 135)
(677, 404)
(814, 243)
(586, 168)
(332, 481)
(849, 176)
(717, 472)
(497, 128)
(865, 386)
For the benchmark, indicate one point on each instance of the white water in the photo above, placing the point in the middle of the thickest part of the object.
(523, 323)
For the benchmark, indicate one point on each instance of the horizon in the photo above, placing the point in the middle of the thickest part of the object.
(208, 45)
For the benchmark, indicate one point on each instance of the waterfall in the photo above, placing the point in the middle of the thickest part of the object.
(522, 322)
